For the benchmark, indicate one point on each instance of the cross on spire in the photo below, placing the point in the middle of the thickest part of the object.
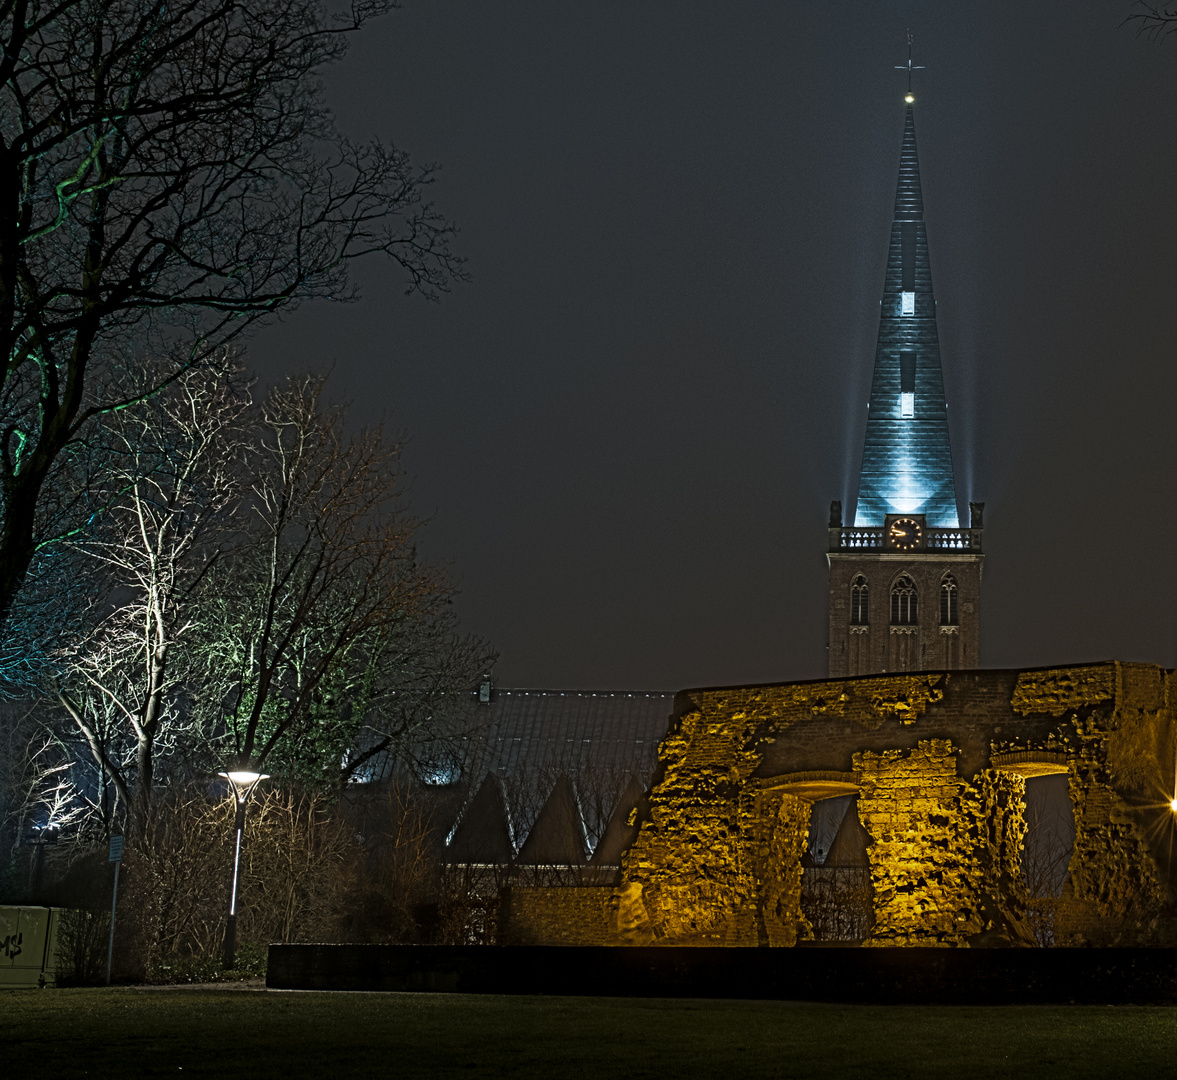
(909, 68)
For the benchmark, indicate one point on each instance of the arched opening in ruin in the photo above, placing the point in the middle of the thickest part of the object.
(1046, 853)
(1050, 833)
(836, 892)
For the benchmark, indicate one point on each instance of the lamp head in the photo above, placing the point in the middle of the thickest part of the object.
(909, 97)
(1173, 805)
(243, 781)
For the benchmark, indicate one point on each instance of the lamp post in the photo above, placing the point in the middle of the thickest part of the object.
(242, 782)
(46, 834)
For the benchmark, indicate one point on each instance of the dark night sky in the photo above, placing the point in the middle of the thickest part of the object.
(629, 426)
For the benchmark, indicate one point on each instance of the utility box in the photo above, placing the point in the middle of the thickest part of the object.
(28, 945)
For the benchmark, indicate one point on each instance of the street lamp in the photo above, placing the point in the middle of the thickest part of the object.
(243, 782)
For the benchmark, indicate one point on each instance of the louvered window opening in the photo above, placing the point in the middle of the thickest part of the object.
(904, 607)
(949, 615)
(859, 602)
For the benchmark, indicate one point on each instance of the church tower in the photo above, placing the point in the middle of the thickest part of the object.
(905, 579)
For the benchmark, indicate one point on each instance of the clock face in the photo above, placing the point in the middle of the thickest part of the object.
(905, 534)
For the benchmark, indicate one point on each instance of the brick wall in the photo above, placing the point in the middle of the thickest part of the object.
(857, 650)
(559, 915)
(939, 762)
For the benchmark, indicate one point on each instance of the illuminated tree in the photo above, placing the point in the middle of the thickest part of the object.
(169, 173)
(178, 471)
(326, 640)
(257, 596)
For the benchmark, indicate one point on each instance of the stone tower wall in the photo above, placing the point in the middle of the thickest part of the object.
(877, 647)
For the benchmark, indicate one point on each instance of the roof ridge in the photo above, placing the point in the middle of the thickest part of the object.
(583, 693)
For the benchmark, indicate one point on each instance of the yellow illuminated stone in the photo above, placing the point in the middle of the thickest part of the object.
(940, 762)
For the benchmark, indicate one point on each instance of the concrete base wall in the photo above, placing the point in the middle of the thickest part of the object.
(890, 976)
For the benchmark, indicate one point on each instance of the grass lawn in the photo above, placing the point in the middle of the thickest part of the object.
(261, 1034)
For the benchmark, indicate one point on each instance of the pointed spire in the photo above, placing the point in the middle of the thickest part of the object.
(907, 459)
(909, 198)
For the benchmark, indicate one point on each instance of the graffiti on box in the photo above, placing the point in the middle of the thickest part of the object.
(12, 944)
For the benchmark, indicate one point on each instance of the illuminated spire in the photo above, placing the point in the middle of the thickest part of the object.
(907, 460)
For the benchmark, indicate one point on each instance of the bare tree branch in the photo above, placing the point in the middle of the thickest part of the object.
(169, 174)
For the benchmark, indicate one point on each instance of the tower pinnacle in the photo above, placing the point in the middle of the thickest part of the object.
(909, 97)
(905, 578)
(907, 460)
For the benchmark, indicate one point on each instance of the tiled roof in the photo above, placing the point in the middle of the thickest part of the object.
(593, 749)
(482, 834)
(525, 730)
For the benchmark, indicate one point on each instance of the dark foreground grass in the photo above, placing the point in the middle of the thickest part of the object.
(226, 1033)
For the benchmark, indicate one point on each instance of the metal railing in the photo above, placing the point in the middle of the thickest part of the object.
(851, 538)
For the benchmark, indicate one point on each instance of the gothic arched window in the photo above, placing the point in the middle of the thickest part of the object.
(859, 602)
(904, 609)
(948, 610)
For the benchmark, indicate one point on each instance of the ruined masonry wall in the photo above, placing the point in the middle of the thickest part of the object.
(559, 915)
(924, 862)
(1120, 757)
(939, 761)
(716, 862)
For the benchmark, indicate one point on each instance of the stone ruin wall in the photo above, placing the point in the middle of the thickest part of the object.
(717, 858)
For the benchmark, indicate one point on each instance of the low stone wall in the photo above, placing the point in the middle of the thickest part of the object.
(886, 976)
(561, 915)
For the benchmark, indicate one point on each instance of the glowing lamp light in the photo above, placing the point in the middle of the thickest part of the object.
(1173, 805)
(909, 98)
(243, 780)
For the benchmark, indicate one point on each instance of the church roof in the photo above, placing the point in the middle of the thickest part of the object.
(482, 833)
(522, 730)
(557, 834)
(907, 460)
(567, 767)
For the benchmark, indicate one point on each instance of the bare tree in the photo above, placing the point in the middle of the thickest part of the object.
(317, 624)
(257, 598)
(397, 887)
(1046, 856)
(1153, 20)
(37, 790)
(294, 872)
(169, 173)
(179, 470)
